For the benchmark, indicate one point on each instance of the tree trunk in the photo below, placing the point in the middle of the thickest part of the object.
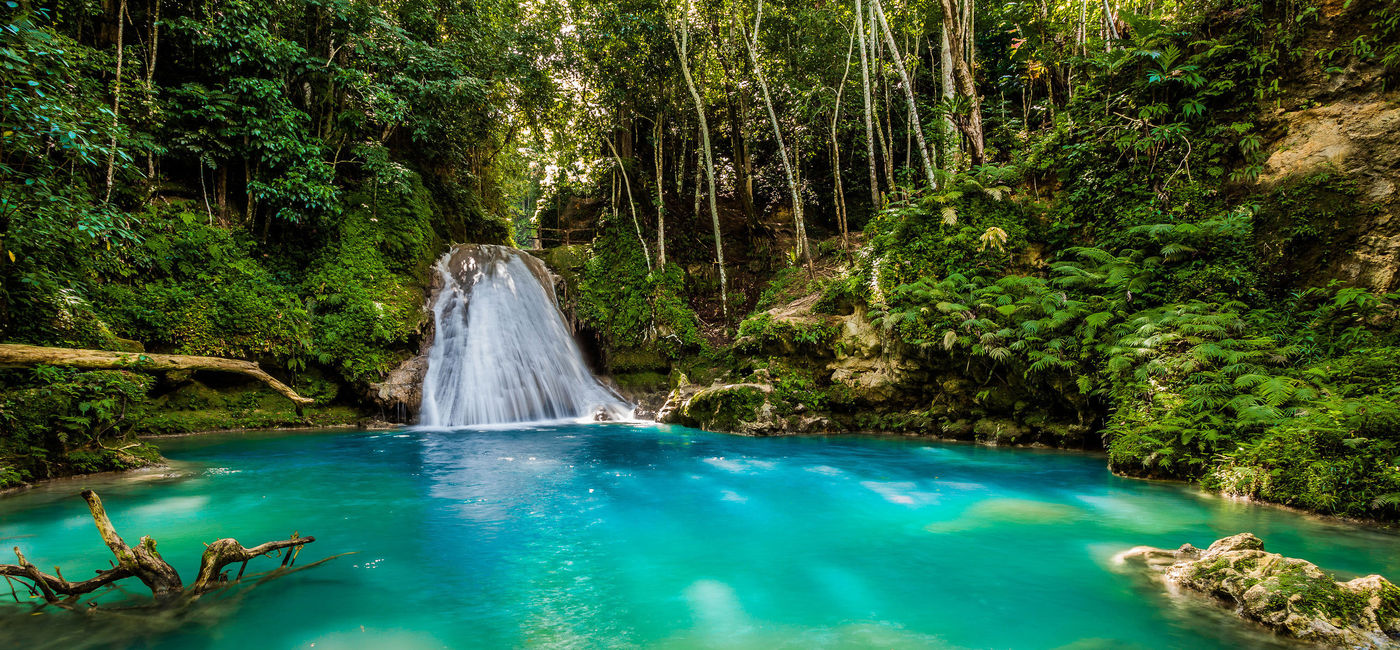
(155, 42)
(1108, 18)
(682, 46)
(699, 177)
(154, 8)
(869, 111)
(751, 46)
(836, 147)
(116, 100)
(631, 205)
(917, 125)
(14, 355)
(221, 194)
(660, 133)
(962, 74)
(951, 142)
(881, 130)
(743, 163)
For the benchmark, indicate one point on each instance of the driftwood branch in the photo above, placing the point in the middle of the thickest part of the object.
(51, 587)
(145, 564)
(143, 561)
(224, 552)
(13, 355)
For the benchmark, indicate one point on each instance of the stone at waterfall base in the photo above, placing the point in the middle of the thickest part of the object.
(1288, 595)
(744, 408)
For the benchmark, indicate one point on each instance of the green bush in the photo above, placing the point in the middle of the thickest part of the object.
(55, 422)
(192, 288)
(629, 306)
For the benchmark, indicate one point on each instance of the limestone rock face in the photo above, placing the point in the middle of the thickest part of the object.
(1291, 596)
(871, 371)
(401, 392)
(1355, 137)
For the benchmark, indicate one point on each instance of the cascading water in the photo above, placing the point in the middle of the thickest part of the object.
(502, 351)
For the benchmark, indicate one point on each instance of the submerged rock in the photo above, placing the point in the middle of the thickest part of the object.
(1291, 596)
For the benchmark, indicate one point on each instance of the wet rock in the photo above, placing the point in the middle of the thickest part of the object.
(1001, 431)
(401, 392)
(731, 408)
(1288, 595)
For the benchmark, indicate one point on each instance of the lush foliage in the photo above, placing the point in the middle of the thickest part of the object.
(55, 422)
(267, 181)
(630, 306)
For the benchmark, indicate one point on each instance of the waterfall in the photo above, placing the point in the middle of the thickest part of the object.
(502, 351)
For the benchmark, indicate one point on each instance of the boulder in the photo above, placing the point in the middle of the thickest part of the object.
(1293, 597)
(730, 408)
(401, 392)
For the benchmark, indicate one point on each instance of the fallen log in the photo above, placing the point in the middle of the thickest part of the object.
(146, 565)
(15, 355)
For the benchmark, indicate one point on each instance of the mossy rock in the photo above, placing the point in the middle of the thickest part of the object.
(646, 380)
(1002, 431)
(566, 260)
(638, 360)
(1289, 595)
(725, 408)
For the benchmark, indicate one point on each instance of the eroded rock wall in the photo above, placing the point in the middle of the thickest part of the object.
(805, 373)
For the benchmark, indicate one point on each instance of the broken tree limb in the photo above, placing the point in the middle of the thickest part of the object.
(224, 552)
(54, 586)
(14, 355)
(143, 561)
(145, 564)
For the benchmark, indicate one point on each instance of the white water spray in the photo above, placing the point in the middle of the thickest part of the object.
(502, 351)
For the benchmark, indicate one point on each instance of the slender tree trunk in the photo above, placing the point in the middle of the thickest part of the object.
(631, 205)
(951, 141)
(869, 112)
(682, 49)
(889, 130)
(681, 157)
(751, 46)
(962, 74)
(660, 191)
(836, 147)
(881, 130)
(743, 164)
(155, 42)
(116, 100)
(154, 8)
(699, 171)
(910, 119)
(221, 195)
(917, 125)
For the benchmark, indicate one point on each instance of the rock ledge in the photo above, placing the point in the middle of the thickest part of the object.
(1290, 596)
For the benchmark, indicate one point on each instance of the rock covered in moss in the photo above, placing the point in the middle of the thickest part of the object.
(748, 408)
(1291, 596)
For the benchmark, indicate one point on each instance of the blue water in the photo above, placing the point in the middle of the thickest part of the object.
(641, 536)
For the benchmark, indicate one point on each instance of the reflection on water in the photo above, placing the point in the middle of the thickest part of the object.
(628, 536)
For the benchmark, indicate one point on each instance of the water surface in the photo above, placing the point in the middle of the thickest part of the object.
(628, 535)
